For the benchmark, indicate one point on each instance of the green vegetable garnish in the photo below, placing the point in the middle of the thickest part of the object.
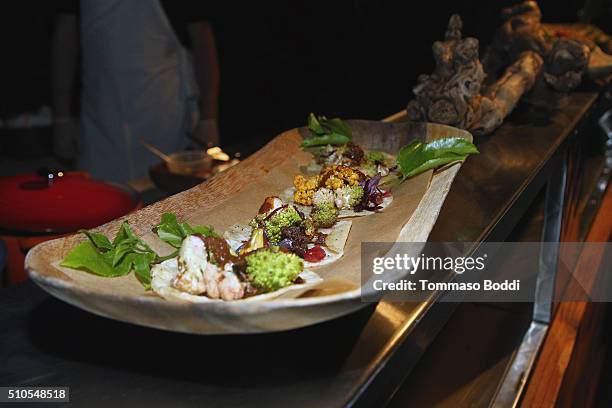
(87, 256)
(173, 232)
(369, 168)
(375, 157)
(102, 257)
(127, 252)
(417, 157)
(281, 218)
(257, 220)
(327, 132)
(373, 160)
(350, 196)
(325, 215)
(270, 270)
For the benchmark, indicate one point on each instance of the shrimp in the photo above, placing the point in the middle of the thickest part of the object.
(197, 276)
(230, 287)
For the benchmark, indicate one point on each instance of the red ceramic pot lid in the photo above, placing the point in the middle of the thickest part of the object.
(72, 201)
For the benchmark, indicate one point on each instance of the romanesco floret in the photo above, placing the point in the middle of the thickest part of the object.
(323, 196)
(369, 168)
(374, 160)
(376, 157)
(324, 215)
(270, 270)
(348, 196)
(284, 217)
(256, 221)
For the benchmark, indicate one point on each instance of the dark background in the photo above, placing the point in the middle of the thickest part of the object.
(282, 59)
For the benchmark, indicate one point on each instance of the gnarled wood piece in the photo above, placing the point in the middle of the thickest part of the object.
(501, 98)
(587, 34)
(566, 59)
(565, 64)
(521, 31)
(452, 93)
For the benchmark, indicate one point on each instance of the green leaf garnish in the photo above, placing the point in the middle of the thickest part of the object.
(127, 252)
(172, 232)
(86, 256)
(314, 125)
(417, 157)
(98, 240)
(142, 267)
(100, 256)
(327, 132)
(204, 230)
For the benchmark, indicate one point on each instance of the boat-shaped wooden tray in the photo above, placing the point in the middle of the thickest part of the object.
(234, 196)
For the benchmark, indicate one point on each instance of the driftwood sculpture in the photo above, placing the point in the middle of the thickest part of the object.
(587, 34)
(501, 98)
(565, 64)
(521, 31)
(453, 95)
(566, 59)
(450, 95)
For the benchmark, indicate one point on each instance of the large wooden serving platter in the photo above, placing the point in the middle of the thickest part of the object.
(235, 196)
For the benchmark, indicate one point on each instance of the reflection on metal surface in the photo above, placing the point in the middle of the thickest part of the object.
(392, 313)
(605, 122)
(510, 390)
(515, 378)
(551, 276)
(551, 232)
(487, 199)
(390, 322)
(385, 332)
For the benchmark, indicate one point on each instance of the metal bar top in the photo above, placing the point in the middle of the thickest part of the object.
(358, 359)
